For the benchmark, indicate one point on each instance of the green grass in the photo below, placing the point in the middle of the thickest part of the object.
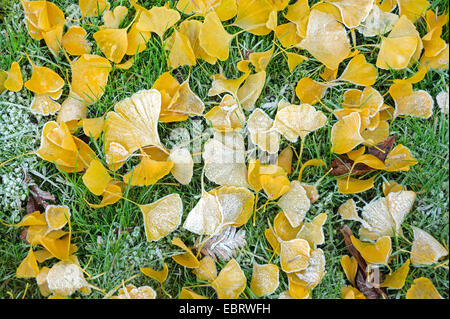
(111, 241)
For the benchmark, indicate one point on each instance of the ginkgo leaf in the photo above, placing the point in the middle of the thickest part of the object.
(227, 116)
(157, 20)
(353, 12)
(294, 255)
(326, 39)
(198, 6)
(283, 228)
(313, 232)
(113, 18)
(230, 282)
(349, 292)
(148, 172)
(28, 268)
(350, 185)
(44, 105)
(350, 267)
(91, 8)
(285, 159)
(111, 195)
(256, 16)
(295, 59)
(205, 217)
(348, 211)
(396, 280)
(265, 279)
(399, 159)
(439, 62)
(186, 293)
(93, 126)
(295, 204)
(377, 253)
(412, 103)
(297, 289)
(298, 13)
(133, 292)
(53, 37)
(56, 216)
(224, 157)
(378, 22)
(313, 274)
(44, 80)
(41, 280)
(13, 81)
(221, 84)
(262, 134)
(214, 39)
(191, 29)
(426, 250)
(260, 60)
(359, 71)
(298, 120)
(183, 165)
(112, 42)
(186, 259)
(310, 91)
(66, 277)
(206, 270)
(345, 134)
(96, 178)
(159, 275)
(274, 181)
(227, 9)
(413, 9)
(422, 288)
(133, 125)
(250, 91)
(137, 40)
(41, 17)
(273, 240)
(162, 217)
(287, 35)
(442, 101)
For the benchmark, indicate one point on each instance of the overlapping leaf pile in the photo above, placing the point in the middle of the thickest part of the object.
(194, 31)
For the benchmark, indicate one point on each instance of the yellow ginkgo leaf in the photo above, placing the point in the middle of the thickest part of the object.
(313, 274)
(147, 172)
(250, 91)
(133, 125)
(96, 178)
(113, 43)
(285, 159)
(287, 35)
(224, 157)
(298, 120)
(426, 250)
(350, 267)
(295, 204)
(413, 9)
(413, 103)
(183, 165)
(359, 72)
(214, 39)
(262, 134)
(93, 126)
(353, 12)
(221, 84)
(58, 247)
(56, 216)
(42, 16)
(137, 40)
(113, 18)
(44, 80)
(206, 270)
(111, 195)
(230, 282)
(256, 16)
(313, 232)
(181, 52)
(348, 211)
(396, 280)
(392, 187)
(53, 38)
(41, 280)
(345, 134)
(422, 288)
(311, 192)
(91, 8)
(439, 62)
(205, 217)
(395, 53)
(295, 59)
(186, 293)
(162, 217)
(66, 277)
(157, 20)
(132, 292)
(28, 268)
(13, 81)
(159, 275)
(416, 78)
(399, 159)
(294, 255)
(187, 259)
(198, 6)
(191, 29)
(297, 289)
(74, 41)
(313, 162)
(186, 101)
(310, 91)
(283, 228)
(275, 185)
(377, 253)
(326, 39)
(349, 292)
(350, 185)
(227, 116)
(44, 105)
(273, 241)
(260, 60)
(298, 13)
(264, 279)
(227, 9)
(378, 22)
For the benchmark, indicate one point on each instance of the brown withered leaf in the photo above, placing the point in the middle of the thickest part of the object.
(383, 149)
(341, 165)
(223, 245)
(38, 198)
(363, 279)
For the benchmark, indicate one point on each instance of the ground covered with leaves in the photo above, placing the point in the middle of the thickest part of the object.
(339, 139)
